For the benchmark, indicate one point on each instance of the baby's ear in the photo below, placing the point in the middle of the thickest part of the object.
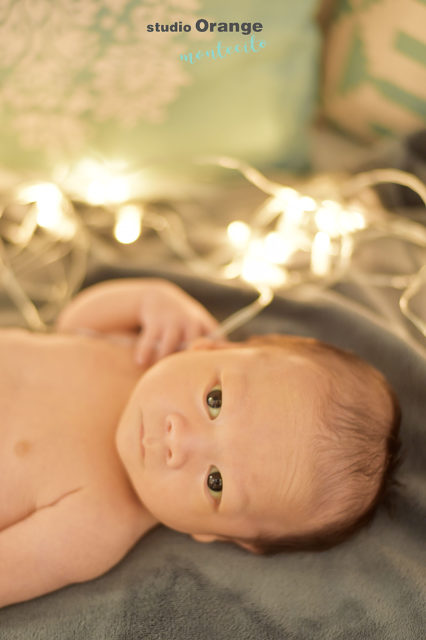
(204, 537)
(248, 547)
(207, 344)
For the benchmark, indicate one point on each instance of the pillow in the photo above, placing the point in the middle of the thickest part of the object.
(87, 77)
(375, 67)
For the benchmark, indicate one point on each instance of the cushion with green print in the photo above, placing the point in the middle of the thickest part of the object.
(85, 78)
(375, 67)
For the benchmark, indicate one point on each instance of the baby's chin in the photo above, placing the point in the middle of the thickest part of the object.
(127, 457)
(123, 436)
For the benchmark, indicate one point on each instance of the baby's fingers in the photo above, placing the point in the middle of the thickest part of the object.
(194, 331)
(208, 325)
(146, 346)
(171, 341)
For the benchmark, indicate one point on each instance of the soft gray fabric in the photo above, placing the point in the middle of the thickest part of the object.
(373, 586)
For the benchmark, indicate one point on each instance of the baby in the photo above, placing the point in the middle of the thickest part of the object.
(276, 443)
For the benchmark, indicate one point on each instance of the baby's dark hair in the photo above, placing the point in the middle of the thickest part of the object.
(357, 451)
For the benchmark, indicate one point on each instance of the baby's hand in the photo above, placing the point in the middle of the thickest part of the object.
(170, 319)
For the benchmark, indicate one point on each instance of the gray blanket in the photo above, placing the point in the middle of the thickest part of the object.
(373, 586)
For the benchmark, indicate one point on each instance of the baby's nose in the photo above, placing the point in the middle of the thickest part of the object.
(181, 440)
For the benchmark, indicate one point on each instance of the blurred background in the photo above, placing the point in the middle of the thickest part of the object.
(116, 153)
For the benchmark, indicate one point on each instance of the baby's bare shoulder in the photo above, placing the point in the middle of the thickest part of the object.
(114, 514)
(106, 524)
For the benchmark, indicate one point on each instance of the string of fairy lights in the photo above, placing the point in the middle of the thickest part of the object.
(297, 236)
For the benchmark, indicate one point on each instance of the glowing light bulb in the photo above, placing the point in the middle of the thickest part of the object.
(289, 201)
(128, 224)
(258, 271)
(49, 203)
(354, 220)
(320, 254)
(45, 194)
(278, 248)
(287, 196)
(100, 183)
(307, 203)
(108, 190)
(328, 218)
(238, 233)
(257, 268)
(95, 192)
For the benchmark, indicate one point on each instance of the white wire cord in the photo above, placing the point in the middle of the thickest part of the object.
(244, 315)
(360, 181)
(397, 228)
(417, 282)
(22, 257)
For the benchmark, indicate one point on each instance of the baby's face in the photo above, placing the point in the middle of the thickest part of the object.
(218, 443)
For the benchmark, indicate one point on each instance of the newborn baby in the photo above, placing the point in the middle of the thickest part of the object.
(276, 443)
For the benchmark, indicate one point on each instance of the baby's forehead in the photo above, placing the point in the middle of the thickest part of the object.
(270, 358)
(269, 373)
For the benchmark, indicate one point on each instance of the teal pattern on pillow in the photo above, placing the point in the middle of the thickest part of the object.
(375, 67)
(85, 77)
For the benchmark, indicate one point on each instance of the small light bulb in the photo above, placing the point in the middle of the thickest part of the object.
(258, 269)
(49, 205)
(307, 203)
(320, 254)
(108, 190)
(328, 218)
(277, 247)
(118, 189)
(354, 220)
(44, 194)
(128, 225)
(95, 192)
(238, 233)
(287, 196)
(289, 202)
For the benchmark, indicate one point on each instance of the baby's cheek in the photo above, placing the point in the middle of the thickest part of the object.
(160, 494)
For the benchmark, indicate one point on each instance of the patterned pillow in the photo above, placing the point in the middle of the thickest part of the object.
(84, 77)
(375, 67)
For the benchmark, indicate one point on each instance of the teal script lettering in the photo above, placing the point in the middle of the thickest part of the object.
(251, 46)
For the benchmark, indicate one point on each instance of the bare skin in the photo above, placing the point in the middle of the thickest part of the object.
(68, 511)
(64, 495)
(95, 453)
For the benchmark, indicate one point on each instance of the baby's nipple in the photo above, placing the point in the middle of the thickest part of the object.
(22, 448)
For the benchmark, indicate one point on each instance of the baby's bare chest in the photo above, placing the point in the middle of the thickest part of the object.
(60, 404)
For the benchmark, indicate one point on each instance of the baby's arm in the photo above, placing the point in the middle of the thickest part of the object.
(170, 318)
(71, 541)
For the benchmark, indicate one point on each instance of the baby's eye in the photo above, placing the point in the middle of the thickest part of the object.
(214, 482)
(214, 401)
